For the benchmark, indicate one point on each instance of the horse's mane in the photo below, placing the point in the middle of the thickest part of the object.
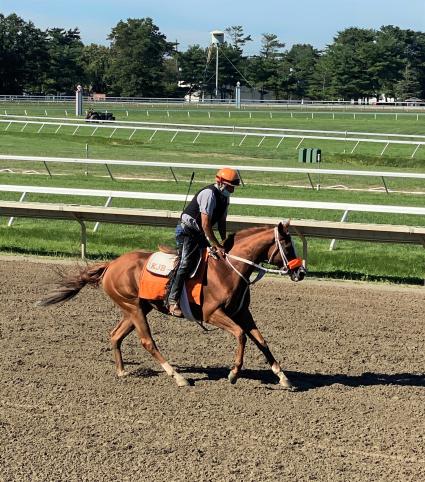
(244, 233)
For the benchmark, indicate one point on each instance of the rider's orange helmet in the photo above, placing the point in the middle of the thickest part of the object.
(227, 175)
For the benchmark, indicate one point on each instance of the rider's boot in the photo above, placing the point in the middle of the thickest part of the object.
(174, 309)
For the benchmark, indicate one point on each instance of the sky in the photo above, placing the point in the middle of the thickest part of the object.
(190, 22)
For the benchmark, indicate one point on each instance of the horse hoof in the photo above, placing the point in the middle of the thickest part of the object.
(182, 382)
(287, 385)
(122, 374)
(232, 377)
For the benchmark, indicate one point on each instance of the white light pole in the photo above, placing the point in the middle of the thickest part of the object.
(79, 100)
(238, 95)
(216, 71)
(217, 37)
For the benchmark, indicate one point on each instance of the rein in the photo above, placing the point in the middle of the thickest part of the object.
(261, 269)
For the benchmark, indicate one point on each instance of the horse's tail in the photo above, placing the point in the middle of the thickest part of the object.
(70, 285)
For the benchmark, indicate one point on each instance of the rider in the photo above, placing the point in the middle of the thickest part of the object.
(195, 229)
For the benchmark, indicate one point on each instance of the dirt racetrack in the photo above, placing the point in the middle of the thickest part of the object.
(356, 352)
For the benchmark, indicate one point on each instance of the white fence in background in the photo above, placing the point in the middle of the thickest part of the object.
(287, 203)
(240, 132)
(172, 100)
(277, 130)
(196, 166)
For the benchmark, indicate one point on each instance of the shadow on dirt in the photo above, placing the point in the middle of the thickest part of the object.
(303, 381)
(308, 381)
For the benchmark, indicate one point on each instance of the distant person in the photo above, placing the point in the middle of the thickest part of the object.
(195, 229)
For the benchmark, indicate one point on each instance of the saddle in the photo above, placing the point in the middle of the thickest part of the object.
(155, 276)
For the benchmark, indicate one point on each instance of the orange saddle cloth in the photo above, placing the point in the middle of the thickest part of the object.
(153, 285)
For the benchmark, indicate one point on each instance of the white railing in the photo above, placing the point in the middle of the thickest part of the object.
(302, 228)
(166, 100)
(286, 203)
(197, 132)
(346, 208)
(197, 166)
(346, 134)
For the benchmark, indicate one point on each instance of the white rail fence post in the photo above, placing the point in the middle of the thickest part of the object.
(343, 220)
(11, 219)
(106, 205)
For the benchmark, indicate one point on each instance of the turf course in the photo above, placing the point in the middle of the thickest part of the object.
(349, 259)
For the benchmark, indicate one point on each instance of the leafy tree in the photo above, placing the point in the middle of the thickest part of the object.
(96, 61)
(65, 51)
(23, 55)
(320, 82)
(348, 59)
(415, 59)
(171, 77)
(409, 86)
(266, 69)
(192, 68)
(138, 51)
(386, 60)
(298, 68)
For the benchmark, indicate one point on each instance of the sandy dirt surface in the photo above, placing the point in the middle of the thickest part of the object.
(356, 352)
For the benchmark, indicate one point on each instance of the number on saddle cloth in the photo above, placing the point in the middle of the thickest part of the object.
(164, 264)
(156, 277)
(161, 263)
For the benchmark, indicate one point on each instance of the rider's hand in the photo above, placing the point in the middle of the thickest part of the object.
(220, 250)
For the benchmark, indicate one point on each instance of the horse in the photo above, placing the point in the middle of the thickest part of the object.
(225, 294)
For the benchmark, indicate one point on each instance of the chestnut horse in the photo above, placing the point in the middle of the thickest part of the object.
(225, 294)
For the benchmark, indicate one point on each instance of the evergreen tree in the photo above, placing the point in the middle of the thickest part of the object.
(238, 39)
(265, 70)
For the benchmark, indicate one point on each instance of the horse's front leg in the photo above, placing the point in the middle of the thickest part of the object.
(221, 320)
(247, 322)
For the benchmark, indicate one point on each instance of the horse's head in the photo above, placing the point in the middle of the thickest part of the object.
(282, 253)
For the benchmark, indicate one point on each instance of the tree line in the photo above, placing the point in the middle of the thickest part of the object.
(140, 61)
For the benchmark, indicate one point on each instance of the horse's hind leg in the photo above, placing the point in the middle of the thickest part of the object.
(144, 333)
(247, 322)
(124, 327)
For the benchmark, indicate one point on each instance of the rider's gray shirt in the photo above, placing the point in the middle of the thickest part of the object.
(207, 202)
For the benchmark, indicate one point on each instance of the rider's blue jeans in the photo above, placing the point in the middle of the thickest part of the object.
(188, 243)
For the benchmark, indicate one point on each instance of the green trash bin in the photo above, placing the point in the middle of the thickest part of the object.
(302, 155)
(316, 155)
(309, 151)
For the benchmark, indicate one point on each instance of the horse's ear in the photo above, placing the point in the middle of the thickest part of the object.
(283, 227)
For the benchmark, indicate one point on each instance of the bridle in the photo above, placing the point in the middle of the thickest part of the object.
(279, 248)
(296, 272)
(261, 270)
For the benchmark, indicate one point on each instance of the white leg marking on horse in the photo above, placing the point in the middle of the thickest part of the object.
(283, 379)
(232, 377)
(181, 381)
(168, 369)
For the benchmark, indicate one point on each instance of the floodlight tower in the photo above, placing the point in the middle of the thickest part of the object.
(217, 38)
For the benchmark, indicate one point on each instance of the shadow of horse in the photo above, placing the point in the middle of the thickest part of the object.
(303, 381)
